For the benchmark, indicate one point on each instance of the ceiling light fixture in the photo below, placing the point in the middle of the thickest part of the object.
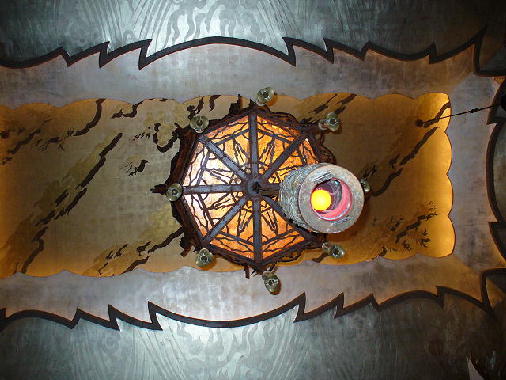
(253, 189)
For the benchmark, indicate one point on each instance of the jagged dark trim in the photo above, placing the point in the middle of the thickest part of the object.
(490, 172)
(501, 223)
(500, 123)
(492, 116)
(494, 231)
(299, 301)
(327, 53)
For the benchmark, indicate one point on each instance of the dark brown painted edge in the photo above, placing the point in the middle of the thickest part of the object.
(499, 124)
(327, 53)
(114, 314)
(336, 303)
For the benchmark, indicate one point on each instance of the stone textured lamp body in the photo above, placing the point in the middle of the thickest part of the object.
(297, 197)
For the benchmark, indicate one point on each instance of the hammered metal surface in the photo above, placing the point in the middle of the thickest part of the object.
(411, 340)
(169, 77)
(417, 339)
(32, 29)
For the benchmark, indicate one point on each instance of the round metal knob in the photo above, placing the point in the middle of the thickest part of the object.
(330, 122)
(334, 250)
(365, 185)
(174, 192)
(199, 123)
(204, 258)
(265, 95)
(271, 282)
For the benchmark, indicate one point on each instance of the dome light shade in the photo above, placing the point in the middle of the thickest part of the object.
(230, 175)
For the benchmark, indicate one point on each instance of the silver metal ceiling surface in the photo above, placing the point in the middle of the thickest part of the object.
(29, 29)
(417, 338)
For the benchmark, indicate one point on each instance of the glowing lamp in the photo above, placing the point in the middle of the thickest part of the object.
(321, 200)
(338, 196)
(225, 184)
(253, 189)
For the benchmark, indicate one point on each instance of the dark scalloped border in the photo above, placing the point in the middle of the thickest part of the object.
(500, 123)
(327, 53)
(300, 301)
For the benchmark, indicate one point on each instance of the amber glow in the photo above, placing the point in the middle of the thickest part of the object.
(82, 240)
(205, 168)
(321, 200)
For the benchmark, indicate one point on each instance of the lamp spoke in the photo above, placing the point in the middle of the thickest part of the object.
(224, 220)
(257, 230)
(222, 156)
(213, 189)
(283, 156)
(253, 141)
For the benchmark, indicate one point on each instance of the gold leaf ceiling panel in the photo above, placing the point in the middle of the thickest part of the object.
(76, 181)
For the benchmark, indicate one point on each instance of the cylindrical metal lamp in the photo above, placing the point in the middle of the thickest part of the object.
(322, 198)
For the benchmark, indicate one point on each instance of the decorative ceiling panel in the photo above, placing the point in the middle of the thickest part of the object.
(178, 50)
(312, 286)
(78, 181)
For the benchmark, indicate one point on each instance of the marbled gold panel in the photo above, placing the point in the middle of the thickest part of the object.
(75, 180)
(406, 163)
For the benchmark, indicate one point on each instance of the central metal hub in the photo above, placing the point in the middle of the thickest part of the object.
(253, 187)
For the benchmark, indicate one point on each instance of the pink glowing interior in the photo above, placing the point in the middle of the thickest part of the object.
(341, 199)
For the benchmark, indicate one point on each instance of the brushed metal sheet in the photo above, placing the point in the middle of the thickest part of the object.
(474, 250)
(31, 29)
(228, 296)
(417, 339)
(229, 70)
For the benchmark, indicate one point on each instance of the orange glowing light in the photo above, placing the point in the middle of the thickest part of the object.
(321, 200)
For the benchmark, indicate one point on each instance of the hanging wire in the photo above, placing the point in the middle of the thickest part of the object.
(502, 103)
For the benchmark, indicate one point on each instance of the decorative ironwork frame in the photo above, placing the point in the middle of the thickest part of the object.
(252, 183)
